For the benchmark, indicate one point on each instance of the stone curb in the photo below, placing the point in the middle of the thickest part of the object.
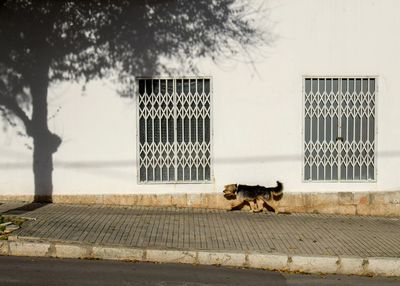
(382, 266)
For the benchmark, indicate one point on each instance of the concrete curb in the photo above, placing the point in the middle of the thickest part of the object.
(382, 266)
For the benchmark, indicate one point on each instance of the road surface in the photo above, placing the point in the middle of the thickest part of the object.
(60, 272)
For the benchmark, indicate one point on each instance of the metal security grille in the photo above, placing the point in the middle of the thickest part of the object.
(339, 129)
(174, 122)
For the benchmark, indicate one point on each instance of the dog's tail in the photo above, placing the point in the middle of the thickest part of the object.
(278, 190)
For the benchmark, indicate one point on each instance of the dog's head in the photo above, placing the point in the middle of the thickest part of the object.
(230, 191)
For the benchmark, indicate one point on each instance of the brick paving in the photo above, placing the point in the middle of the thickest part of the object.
(200, 229)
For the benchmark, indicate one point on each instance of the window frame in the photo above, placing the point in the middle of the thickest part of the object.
(174, 182)
(339, 77)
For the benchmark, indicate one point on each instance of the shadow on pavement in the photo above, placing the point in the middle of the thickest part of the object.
(25, 208)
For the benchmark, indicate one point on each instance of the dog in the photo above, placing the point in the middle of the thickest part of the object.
(255, 196)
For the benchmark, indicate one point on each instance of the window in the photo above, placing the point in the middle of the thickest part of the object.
(174, 122)
(339, 129)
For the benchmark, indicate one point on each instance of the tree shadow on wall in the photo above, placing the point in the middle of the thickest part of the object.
(47, 42)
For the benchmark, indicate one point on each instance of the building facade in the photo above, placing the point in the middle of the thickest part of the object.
(318, 111)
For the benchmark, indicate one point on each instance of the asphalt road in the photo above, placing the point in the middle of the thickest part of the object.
(60, 272)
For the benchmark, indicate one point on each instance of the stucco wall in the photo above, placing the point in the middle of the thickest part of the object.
(257, 120)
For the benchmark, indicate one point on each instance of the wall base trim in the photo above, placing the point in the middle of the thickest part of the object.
(343, 203)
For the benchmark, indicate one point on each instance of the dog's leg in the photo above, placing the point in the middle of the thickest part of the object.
(236, 204)
(252, 206)
(260, 205)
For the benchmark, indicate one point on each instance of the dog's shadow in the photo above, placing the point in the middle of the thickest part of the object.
(246, 204)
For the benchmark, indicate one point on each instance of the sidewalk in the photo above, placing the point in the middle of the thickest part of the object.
(295, 242)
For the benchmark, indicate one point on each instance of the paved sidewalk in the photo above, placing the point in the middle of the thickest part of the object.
(211, 230)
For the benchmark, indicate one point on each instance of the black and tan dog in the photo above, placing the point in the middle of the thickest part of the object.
(255, 196)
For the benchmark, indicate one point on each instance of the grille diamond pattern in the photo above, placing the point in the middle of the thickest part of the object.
(339, 129)
(174, 130)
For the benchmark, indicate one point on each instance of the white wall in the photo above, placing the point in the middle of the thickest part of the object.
(257, 118)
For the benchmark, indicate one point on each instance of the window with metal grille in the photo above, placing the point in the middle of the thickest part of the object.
(174, 122)
(339, 129)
